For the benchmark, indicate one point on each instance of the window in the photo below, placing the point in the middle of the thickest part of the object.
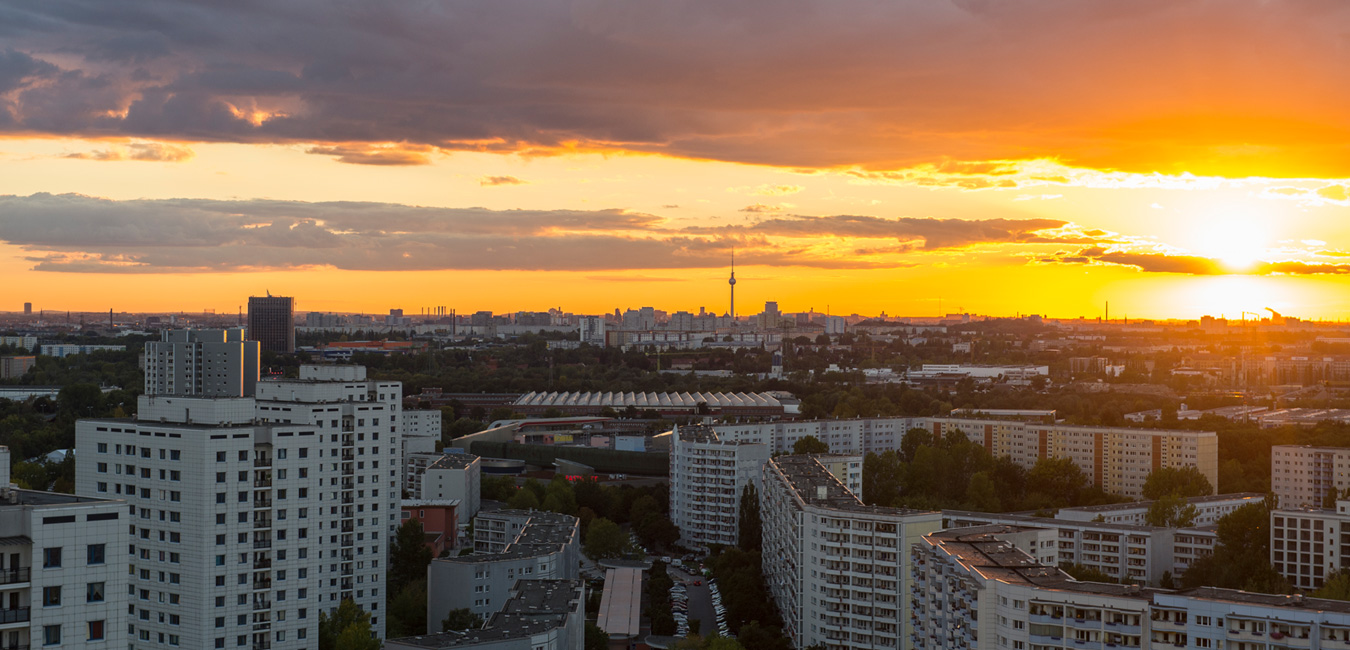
(51, 596)
(96, 553)
(51, 559)
(51, 635)
(220, 457)
(95, 630)
(94, 593)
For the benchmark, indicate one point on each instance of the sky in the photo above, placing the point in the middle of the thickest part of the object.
(1175, 158)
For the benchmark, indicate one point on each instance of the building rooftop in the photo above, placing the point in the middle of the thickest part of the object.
(1135, 505)
(980, 549)
(453, 461)
(543, 533)
(816, 486)
(535, 606)
(41, 498)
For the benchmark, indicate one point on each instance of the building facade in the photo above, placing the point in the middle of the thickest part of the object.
(63, 569)
(837, 569)
(209, 363)
(275, 508)
(271, 322)
(509, 545)
(535, 615)
(707, 478)
(1301, 476)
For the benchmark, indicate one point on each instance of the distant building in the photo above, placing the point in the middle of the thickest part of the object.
(204, 363)
(271, 322)
(449, 476)
(1302, 475)
(29, 343)
(592, 329)
(594, 403)
(15, 367)
(28, 309)
(61, 350)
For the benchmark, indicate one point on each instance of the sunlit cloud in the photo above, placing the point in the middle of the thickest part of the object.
(494, 181)
(141, 151)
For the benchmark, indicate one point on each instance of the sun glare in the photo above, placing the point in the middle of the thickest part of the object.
(1236, 235)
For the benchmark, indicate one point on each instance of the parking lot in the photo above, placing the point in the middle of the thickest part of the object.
(698, 600)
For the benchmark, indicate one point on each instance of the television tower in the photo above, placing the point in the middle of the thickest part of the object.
(732, 282)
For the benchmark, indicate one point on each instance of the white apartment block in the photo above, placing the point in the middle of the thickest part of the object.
(421, 430)
(1309, 544)
(1301, 475)
(837, 569)
(1117, 459)
(1118, 546)
(447, 476)
(973, 590)
(205, 363)
(535, 615)
(63, 572)
(510, 545)
(263, 512)
(707, 477)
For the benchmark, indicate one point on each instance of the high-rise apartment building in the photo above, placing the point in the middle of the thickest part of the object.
(63, 570)
(253, 515)
(271, 322)
(1302, 475)
(838, 570)
(207, 363)
(592, 330)
(707, 476)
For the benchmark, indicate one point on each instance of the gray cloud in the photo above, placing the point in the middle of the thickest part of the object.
(493, 181)
(935, 233)
(1192, 264)
(75, 233)
(788, 82)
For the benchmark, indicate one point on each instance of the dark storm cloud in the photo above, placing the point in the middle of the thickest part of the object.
(787, 82)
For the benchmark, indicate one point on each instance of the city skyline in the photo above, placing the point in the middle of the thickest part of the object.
(1058, 163)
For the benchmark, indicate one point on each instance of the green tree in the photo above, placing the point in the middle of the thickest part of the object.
(1171, 511)
(605, 539)
(347, 629)
(1183, 482)
(1336, 587)
(408, 611)
(497, 488)
(461, 619)
(1086, 574)
(1057, 478)
(982, 494)
(408, 556)
(1241, 558)
(912, 441)
(523, 499)
(596, 638)
(750, 532)
(810, 445)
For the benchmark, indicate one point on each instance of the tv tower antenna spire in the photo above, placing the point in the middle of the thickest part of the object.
(732, 282)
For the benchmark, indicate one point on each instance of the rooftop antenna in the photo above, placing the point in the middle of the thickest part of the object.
(732, 282)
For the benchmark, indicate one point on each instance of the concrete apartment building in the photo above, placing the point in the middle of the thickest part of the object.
(1309, 544)
(974, 589)
(509, 545)
(275, 507)
(1122, 546)
(206, 363)
(536, 615)
(1117, 459)
(1302, 475)
(837, 569)
(707, 477)
(421, 430)
(63, 569)
(15, 367)
(454, 476)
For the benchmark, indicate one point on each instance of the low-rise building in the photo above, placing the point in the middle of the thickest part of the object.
(510, 545)
(446, 476)
(535, 615)
(440, 522)
(1306, 543)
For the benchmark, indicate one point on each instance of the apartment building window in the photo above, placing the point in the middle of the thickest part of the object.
(94, 592)
(51, 596)
(95, 630)
(97, 553)
(51, 559)
(51, 635)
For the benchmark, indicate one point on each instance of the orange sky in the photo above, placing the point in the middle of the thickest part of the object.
(1174, 158)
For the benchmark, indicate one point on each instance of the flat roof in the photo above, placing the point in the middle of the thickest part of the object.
(42, 498)
(535, 606)
(816, 486)
(1133, 505)
(453, 461)
(621, 602)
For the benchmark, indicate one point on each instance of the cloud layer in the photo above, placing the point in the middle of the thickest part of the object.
(1153, 85)
(75, 233)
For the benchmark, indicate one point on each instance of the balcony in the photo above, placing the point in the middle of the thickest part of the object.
(262, 584)
(14, 576)
(261, 605)
(19, 615)
(262, 503)
(262, 483)
(262, 462)
(261, 544)
(262, 523)
(262, 564)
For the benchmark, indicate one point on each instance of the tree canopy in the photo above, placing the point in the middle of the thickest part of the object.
(347, 629)
(810, 445)
(1184, 482)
